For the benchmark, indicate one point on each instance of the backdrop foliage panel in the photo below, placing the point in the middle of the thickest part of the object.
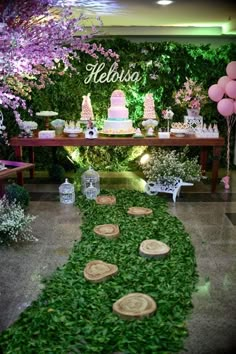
(163, 68)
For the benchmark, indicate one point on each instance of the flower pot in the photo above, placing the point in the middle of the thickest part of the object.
(59, 131)
(193, 112)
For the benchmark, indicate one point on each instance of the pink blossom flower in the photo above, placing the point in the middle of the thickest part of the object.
(191, 95)
(30, 48)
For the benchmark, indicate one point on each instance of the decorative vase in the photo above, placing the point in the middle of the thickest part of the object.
(193, 112)
(59, 131)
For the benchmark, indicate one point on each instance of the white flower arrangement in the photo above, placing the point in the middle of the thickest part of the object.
(28, 125)
(14, 224)
(58, 123)
(164, 164)
(167, 113)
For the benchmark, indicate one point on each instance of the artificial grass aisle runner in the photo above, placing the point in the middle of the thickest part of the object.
(73, 315)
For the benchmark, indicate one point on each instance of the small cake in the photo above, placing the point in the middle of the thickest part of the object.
(72, 128)
(118, 121)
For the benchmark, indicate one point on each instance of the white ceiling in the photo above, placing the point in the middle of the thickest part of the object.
(183, 17)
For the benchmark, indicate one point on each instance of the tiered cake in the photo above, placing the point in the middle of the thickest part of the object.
(149, 107)
(118, 114)
(87, 109)
(149, 116)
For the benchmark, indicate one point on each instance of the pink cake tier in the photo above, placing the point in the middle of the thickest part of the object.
(118, 114)
(117, 109)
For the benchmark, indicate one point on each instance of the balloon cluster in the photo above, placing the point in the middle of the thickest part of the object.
(224, 93)
(226, 86)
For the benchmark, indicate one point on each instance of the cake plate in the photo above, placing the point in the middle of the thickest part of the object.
(179, 133)
(116, 134)
(47, 115)
(72, 133)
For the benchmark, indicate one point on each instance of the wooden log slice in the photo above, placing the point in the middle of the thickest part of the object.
(97, 271)
(106, 199)
(153, 249)
(139, 211)
(134, 306)
(107, 230)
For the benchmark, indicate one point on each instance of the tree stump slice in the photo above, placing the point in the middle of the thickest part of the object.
(139, 211)
(97, 271)
(134, 306)
(153, 249)
(106, 200)
(109, 231)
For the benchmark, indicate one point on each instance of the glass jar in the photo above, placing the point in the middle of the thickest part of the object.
(91, 192)
(67, 192)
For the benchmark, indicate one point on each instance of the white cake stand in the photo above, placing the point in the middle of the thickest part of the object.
(47, 115)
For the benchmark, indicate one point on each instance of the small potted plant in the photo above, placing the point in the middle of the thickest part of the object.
(58, 125)
(165, 164)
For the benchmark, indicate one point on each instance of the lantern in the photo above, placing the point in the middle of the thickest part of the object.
(90, 183)
(67, 193)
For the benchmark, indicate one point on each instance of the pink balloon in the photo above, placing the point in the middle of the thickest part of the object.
(215, 92)
(225, 107)
(222, 82)
(231, 70)
(230, 89)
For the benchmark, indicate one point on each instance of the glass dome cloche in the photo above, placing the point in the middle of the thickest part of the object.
(67, 192)
(90, 183)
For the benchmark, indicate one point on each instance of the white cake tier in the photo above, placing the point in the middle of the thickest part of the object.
(118, 126)
(118, 113)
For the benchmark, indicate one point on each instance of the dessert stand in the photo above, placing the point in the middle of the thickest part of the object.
(47, 115)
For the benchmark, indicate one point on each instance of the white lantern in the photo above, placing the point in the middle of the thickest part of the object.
(90, 183)
(67, 193)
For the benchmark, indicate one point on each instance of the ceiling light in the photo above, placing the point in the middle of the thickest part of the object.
(164, 2)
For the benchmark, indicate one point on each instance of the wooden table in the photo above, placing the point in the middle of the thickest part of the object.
(204, 143)
(12, 168)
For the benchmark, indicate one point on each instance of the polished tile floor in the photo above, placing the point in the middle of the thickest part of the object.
(210, 219)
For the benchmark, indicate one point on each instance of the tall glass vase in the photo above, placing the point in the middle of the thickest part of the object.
(193, 112)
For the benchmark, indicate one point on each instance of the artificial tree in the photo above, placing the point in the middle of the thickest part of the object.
(37, 39)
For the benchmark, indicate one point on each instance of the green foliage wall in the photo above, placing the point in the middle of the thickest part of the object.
(163, 68)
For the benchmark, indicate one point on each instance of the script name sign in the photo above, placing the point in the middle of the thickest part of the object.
(98, 75)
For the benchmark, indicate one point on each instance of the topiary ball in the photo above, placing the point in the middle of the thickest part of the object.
(18, 193)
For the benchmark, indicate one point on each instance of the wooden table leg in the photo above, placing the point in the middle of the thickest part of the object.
(215, 167)
(31, 159)
(203, 159)
(18, 156)
(18, 153)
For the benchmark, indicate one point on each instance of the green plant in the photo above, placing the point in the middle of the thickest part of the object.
(14, 224)
(73, 315)
(163, 68)
(165, 163)
(57, 173)
(18, 193)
